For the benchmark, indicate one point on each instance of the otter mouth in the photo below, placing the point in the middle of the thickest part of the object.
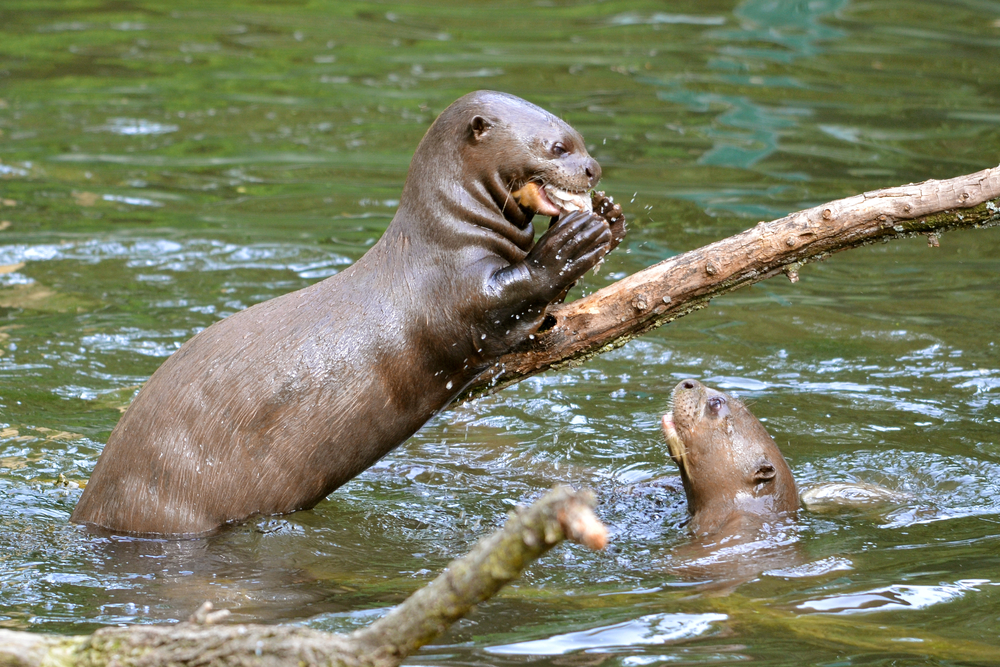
(550, 200)
(567, 200)
(678, 452)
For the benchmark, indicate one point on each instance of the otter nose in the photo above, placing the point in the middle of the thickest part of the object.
(593, 170)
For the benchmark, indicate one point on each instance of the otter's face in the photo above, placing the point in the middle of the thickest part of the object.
(727, 460)
(542, 164)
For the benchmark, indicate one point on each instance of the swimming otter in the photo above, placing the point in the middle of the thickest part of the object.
(733, 472)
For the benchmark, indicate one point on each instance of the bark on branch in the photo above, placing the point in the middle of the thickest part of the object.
(614, 315)
(494, 561)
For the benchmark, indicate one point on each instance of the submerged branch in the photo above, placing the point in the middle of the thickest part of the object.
(616, 314)
(494, 561)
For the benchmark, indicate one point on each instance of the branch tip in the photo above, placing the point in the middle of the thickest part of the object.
(579, 522)
(205, 616)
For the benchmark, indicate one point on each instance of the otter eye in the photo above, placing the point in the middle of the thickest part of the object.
(715, 403)
(558, 149)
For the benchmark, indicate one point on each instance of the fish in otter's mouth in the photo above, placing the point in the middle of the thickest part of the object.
(551, 200)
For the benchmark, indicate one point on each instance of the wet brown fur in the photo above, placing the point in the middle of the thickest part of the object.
(271, 409)
(732, 470)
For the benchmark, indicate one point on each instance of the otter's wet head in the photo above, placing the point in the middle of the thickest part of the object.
(729, 464)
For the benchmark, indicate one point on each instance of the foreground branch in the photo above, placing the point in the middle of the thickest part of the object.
(614, 315)
(494, 561)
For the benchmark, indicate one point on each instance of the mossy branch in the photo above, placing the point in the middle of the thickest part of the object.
(495, 560)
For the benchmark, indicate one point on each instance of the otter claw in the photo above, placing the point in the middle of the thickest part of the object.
(605, 207)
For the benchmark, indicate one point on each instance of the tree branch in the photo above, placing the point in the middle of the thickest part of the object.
(616, 314)
(494, 561)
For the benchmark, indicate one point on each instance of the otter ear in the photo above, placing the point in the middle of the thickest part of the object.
(765, 472)
(480, 127)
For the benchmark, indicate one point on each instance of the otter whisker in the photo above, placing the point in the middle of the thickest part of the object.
(510, 194)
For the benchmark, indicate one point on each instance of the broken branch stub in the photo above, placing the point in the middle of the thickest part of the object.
(496, 559)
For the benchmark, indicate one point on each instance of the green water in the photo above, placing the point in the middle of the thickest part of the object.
(164, 164)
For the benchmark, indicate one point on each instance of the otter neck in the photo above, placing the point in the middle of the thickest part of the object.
(452, 190)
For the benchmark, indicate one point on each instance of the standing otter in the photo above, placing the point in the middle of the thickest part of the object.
(271, 409)
(733, 473)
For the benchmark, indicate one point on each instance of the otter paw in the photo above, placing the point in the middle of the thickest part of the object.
(569, 248)
(606, 207)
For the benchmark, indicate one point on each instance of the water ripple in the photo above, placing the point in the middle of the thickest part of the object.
(894, 598)
(135, 127)
(941, 487)
(643, 631)
(185, 256)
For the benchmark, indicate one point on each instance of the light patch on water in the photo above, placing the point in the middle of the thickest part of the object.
(644, 354)
(17, 253)
(344, 622)
(635, 18)
(816, 568)
(74, 391)
(132, 127)
(188, 256)
(482, 72)
(643, 631)
(139, 341)
(131, 201)
(70, 578)
(732, 383)
(985, 116)
(632, 473)
(7, 366)
(390, 203)
(219, 256)
(849, 134)
(897, 597)
(734, 549)
(932, 487)
(985, 381)
(14, 278)
(7, 170)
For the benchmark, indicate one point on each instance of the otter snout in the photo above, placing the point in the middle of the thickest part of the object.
(592, 169)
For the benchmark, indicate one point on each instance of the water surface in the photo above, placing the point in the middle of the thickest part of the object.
(163, 165)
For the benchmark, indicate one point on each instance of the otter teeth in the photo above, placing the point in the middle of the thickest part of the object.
(569, 201)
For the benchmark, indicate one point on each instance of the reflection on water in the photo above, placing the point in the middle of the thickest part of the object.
(894, 598)
(646, 630)
(798, 27)
(932, 487)
(745, 128)
(162, 167)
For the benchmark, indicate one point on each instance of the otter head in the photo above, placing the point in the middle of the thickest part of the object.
(729, 464)
(512, 158)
